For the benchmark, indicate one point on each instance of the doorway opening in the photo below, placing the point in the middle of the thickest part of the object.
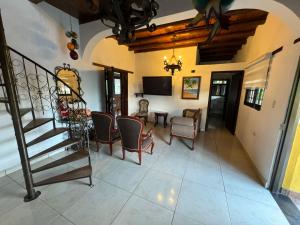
(116, 91)
(224, 99)
(285, 181)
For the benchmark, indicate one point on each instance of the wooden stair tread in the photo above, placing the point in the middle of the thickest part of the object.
(67, 159)
(65, 143)
(82, 172)
(47, 135)
(4, 100)
(23, 111)
(36, 123)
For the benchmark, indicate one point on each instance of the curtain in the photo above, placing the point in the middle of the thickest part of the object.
(256, 72)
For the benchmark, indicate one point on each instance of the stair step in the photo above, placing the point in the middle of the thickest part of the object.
(67, 159)
(47, 135)
(2, 85)
(82, 172)
(4, 100)
(23, 111)
(36, 123)
(65, 143)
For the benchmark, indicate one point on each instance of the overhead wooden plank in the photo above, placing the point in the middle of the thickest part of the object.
(187, 44)
(235, 16)
(35, 1)
(116, 69)
(220, 38)
(196, 33)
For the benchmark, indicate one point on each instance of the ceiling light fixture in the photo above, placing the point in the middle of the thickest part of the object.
(173, 64)
(124, 17)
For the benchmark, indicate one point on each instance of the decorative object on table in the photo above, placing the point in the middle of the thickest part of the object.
(104, 129)
(190, 87)
(125, 17)
(208, 9)
(186, 126)
(72, 44)
(135, 140)
(143, 110)
(173, 64)
(164, 115)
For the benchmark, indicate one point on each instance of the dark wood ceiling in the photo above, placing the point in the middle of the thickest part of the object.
(76, 8)
(242, 24)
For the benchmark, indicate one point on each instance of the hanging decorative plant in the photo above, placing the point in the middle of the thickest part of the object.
(207, 9)
(73, 44)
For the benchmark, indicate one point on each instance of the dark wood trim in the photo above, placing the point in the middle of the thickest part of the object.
(277, 51)
(36, 1)
(139, 95)
(115, 69)
(297, 41)
(211, 84)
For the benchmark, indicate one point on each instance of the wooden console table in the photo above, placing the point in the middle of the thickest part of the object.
(164, 115)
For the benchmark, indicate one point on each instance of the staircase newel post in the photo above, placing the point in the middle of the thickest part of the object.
(16, 118)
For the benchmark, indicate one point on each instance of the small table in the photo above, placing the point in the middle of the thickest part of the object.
(163, 114)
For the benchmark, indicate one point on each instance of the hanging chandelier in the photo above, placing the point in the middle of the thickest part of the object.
(173, 64)
(124, 17)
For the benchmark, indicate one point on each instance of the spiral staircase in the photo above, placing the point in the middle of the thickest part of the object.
(30, 90)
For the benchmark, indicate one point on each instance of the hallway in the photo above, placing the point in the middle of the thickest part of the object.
(213, 185)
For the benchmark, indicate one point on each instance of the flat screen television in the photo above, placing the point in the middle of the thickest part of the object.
(157, 85)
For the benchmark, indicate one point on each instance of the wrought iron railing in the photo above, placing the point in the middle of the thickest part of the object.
(37, 88)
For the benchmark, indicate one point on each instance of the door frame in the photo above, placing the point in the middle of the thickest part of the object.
(109, 88)
(210, 89)
(287, 136)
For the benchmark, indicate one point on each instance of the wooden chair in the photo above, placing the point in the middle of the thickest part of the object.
(186, 126)
(143, 110)
(132, 137)
(104, 129)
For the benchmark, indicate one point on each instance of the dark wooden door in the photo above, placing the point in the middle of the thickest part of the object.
(109, 90)
(233, 102)
(116, 92)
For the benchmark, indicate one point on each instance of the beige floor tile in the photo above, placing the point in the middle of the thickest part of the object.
(138, 211)
(160, 188)
(99, 206)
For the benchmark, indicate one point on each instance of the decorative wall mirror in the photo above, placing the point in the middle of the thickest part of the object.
(71, 77)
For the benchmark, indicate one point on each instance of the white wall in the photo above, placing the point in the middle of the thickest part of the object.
(37, 31)
(259, 131)
(109, 53)
(151, 64)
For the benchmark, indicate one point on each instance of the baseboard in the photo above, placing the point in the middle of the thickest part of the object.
(262, 180)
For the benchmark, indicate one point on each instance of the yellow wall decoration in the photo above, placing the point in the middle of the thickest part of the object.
(292, 177)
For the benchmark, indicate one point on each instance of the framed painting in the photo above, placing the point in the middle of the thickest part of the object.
(190, 87)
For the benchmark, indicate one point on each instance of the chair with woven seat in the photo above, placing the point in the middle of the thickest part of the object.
(186, 126)
(132, 137)
(105, 133)
(143, 110)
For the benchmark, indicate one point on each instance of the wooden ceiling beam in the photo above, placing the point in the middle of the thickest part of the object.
(35, 1)
(239, 37)
(221, 51)
(236, 16)
(210, 58)
(223, 55)
(217, 45)
(192, 44)
(196, 33)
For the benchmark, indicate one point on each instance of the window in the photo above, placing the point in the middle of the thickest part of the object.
(254, 97)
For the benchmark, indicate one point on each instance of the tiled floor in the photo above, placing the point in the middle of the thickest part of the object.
(213, 185)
